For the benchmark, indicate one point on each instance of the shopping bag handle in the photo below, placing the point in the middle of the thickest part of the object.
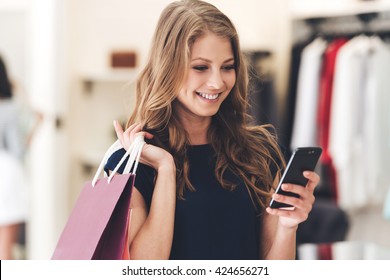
(134, 151)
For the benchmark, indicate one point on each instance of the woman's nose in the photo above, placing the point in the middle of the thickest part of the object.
(215, 80)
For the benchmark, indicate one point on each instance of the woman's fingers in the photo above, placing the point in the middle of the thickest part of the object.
(118, 130)
(314, 179)
(132, 129)
(135, 130)
(302, 205)
(293, 201)
(296, 214)
(127, 137)
(306, 193)
(123, 136)
(145, 134)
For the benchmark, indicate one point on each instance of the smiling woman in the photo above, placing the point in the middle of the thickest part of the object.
(210, 79)
(206, 176)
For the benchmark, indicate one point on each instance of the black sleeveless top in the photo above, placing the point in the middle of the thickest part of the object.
(210, 223)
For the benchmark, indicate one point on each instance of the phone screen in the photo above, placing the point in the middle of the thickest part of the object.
(302, 159)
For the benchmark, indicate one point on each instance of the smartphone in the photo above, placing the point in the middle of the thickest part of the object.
(302, 159)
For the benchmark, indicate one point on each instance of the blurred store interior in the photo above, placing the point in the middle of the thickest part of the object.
(61, 57)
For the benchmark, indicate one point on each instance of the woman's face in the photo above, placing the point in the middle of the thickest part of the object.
(210, 78)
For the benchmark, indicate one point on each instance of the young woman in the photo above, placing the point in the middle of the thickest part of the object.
(206, 178)
(12, 187)
(15, 138)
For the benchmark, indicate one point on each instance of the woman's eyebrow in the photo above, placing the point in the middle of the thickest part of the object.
(209, 61)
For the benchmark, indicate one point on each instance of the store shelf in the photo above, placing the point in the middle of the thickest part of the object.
(111, 76)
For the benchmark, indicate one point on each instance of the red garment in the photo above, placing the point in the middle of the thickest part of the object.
(325, 251)
(324, 109)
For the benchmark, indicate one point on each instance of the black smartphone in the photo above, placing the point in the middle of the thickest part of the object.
(302, 159)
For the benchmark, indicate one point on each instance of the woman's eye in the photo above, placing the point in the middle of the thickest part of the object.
(200, 68)
(228, 67)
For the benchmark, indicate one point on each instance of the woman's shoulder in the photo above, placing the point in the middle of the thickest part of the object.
(144, 180)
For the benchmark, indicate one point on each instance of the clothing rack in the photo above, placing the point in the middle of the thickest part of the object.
(370, 57)
(375, 23)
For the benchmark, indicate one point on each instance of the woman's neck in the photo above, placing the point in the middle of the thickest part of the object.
(196, 130)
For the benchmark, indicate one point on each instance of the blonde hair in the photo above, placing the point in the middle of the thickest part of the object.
(248, 152)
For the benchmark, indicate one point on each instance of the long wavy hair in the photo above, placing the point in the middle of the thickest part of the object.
(249, 152)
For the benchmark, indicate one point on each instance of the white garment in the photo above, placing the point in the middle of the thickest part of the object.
(13, 196)
(304, 131)
(350, 121)
(11, 133)
(13, 192)
(345, 139)
(376, 126)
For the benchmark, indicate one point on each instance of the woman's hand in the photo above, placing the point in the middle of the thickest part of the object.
(151, 155)
(301, 206)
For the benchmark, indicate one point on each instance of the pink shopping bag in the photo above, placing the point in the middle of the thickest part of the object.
(97, 228)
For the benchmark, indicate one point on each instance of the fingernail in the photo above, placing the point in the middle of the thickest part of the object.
(306, 173)
(285, 187)
(115, 122)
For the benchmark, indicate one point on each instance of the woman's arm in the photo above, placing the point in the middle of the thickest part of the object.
(278, 243)
(280, 226)
(151, 233)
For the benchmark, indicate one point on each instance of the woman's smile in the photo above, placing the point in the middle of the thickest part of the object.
(209, 97)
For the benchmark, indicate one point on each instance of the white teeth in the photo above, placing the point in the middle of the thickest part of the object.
(209, 96)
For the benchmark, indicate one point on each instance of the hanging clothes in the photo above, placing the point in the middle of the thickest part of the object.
(348, 99)
(289, 109)
(347, 145)
(304, 131)
(329, 181)
(381, 65)
(376, 125)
